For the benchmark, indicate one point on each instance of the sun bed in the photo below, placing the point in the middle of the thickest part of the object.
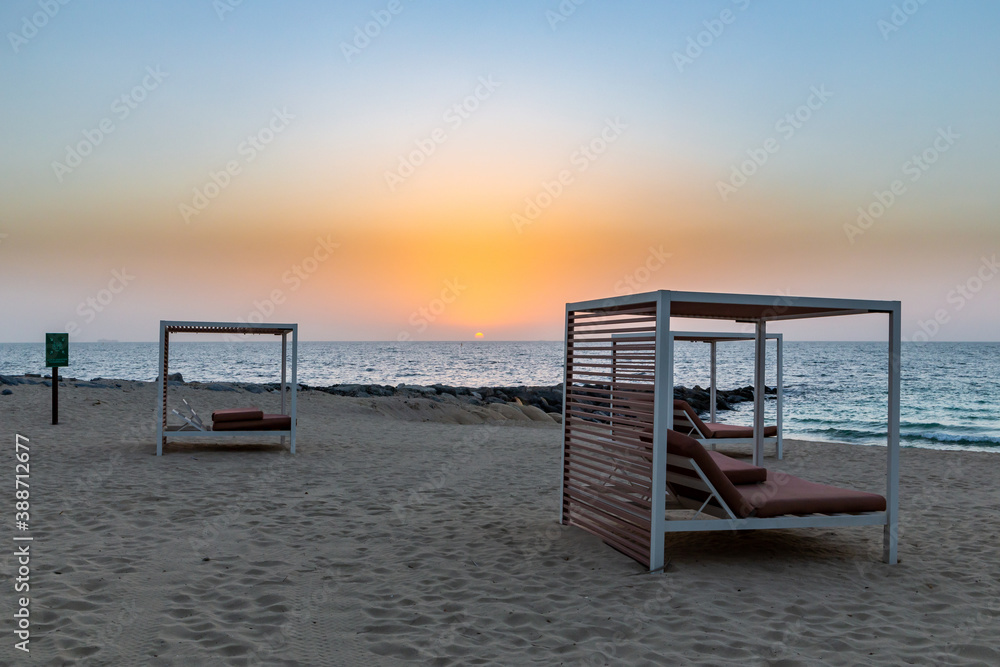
(238, 423)
(687, 421)
(249, 419)
(697, 481)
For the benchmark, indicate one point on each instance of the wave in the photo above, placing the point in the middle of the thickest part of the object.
(841, 433)
(953, 438)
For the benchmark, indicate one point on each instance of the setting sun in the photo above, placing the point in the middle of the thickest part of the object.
(480, 335)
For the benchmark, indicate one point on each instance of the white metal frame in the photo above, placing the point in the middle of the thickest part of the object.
(231, 328)
(758, 310)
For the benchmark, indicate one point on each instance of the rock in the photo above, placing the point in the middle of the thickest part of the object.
(533, 413)
(175, 377)
(9, 380)
(510, 412)
(6, 392)
(216, 386)
(254, 389)
(426, 391)
(555, 416)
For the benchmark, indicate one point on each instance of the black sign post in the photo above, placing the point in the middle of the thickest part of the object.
(56, 355)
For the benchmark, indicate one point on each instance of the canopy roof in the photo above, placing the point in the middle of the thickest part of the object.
(226, 327)
(744, 307)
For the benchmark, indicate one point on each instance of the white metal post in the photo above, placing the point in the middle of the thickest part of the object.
(712, 386)
(295, 381)
(284, 362)
(760, 353)
(891, 531)
(663, 420)
(781, 396)
(159, 394)
(562, 458)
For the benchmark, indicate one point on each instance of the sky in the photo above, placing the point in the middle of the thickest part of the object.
(403, 170)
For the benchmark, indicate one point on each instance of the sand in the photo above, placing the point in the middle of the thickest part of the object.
(398, 534)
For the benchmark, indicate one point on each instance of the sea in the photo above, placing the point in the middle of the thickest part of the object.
(834, 391)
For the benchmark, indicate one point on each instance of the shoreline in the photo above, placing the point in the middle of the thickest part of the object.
(544, 399)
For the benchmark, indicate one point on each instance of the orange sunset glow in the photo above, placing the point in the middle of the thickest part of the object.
(371, 201)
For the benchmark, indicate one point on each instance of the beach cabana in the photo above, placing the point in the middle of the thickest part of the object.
(693, 426)
(618, 408)
(246, 419)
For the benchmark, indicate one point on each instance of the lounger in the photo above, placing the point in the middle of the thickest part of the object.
(697, 481)
(249, 419)
(687, 421)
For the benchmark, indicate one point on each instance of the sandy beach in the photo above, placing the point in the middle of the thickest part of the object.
(409, 531)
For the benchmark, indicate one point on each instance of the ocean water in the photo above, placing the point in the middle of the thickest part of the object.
(833, 391)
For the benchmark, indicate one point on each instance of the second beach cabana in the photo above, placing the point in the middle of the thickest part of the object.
(713, 338)
(619, 477)
(235, 423)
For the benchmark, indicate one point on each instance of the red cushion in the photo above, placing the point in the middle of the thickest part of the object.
(783, 494)
(237, 414)
(266, 423)
(736, 471)
(720, 431)
(684, 406)
(780, 495)
(739, 472)
(682, 445)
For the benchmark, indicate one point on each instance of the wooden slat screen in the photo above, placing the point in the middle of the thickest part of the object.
(607, 471)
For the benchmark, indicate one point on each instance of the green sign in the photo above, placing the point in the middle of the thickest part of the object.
(56, 349)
